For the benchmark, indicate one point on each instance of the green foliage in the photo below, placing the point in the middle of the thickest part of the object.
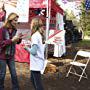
(87, 33)
(84, 19)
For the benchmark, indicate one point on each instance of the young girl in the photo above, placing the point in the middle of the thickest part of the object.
(36, 52)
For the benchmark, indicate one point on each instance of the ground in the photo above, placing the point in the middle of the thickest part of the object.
(56, 81)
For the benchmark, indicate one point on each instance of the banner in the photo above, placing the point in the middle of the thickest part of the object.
(87, 4)
(58, 39)
(21, 7)
(23, 10)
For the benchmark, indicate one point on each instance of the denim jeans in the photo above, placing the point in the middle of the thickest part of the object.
(11, 65)
(36, 80)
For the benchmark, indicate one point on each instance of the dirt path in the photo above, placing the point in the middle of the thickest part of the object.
(50, 81)
(56, 81)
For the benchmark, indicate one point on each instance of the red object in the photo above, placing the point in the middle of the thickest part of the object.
(2, 15)
(21, 54)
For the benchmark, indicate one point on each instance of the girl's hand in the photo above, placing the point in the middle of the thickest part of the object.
(20, 35)
(24, 46)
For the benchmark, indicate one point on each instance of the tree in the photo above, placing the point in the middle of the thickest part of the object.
(84, 22)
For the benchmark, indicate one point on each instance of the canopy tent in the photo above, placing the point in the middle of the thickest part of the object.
(44, 3)
(56, 7)
(48, 8)
(53, 21)
(49, 11)
(51, 15)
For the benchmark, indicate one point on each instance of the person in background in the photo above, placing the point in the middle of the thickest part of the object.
(8, 39)
(2, 14)
(36, 53)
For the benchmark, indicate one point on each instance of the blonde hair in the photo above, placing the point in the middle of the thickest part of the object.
(36, 25)
(7, 23)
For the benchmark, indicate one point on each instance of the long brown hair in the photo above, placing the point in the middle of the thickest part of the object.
(37, 25)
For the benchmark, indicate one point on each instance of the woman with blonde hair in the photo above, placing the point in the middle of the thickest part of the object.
(36, 52)
(8, 40)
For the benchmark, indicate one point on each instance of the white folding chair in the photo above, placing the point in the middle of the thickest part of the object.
(81, 65)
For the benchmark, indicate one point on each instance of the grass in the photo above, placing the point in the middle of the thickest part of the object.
(84, 43)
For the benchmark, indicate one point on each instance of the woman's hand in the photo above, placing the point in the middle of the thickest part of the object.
(15, 39)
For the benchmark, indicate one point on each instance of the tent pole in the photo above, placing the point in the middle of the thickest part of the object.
(47, 23)
(47, 20)
(47, 29)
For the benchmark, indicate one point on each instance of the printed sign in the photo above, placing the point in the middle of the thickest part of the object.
(21, 7)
